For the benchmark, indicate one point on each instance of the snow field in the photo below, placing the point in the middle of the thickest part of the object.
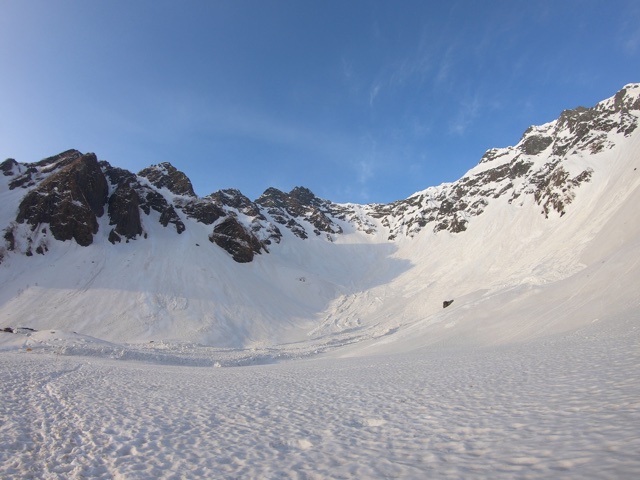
(562, 407)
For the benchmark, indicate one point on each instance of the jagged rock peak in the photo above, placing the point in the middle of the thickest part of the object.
(272, 197)
(299, 204)
(29, 175)
(8, 167)
(298, 195)
(304, 196)
(628, 98)
(68, 201)
(165, 175)
(60, 159)
(578, 128)
(232, 197)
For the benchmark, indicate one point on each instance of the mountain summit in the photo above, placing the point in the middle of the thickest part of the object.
(126, 256)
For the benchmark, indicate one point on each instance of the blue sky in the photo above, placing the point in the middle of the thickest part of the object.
(361, 101)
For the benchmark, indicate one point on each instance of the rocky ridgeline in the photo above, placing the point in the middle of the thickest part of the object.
(535, 166)
(67, 194)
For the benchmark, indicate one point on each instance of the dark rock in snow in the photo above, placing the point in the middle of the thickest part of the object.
(446, 303)
(114, 237)
(153, 200)
(10, 239)
(124, 212)
(535, 144)
(299, 204)
(8, 166)
(233, 198)
(70, 200)
(235, 239)
(169, 216)
(38, 171)
(204, 211)
(165, 175)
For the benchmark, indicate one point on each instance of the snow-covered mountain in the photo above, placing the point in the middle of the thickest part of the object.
(126, 257)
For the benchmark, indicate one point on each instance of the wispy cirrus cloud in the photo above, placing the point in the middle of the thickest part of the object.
(629, 31)
(630, 38)
(354, 156)
(445, 66)
(184, 113)
(468, 111)
(374, 91)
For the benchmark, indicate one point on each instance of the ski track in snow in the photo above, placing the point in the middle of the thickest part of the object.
(567, 406)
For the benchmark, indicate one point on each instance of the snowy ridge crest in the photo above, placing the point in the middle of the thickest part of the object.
(546, 165)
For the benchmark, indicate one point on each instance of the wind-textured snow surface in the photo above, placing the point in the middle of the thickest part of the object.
(567, 406)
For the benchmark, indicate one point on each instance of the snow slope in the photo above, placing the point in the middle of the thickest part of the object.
(182, 288)
(515, 275)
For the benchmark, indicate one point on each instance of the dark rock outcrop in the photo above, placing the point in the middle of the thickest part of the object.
(124, 213)
(231, 235)
(165, 175)
(69, 200)
(170, 216)
(535, 144)
(130, 198)
(36, 172)
(152, 200)
(204, 211)
(8, 166)
(233, 198)
(298, 205)
(10, 239)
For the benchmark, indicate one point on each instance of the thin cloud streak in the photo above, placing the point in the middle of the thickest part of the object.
(350, 154)
(272, 130)
(468, 112)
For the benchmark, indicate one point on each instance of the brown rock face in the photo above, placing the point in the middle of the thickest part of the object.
(7, 166)
(124, 212)
(288, 208)
(69, 200)
(235, 239)
(170, 216)
(165, 175)
(36, 172)
(204, 211)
